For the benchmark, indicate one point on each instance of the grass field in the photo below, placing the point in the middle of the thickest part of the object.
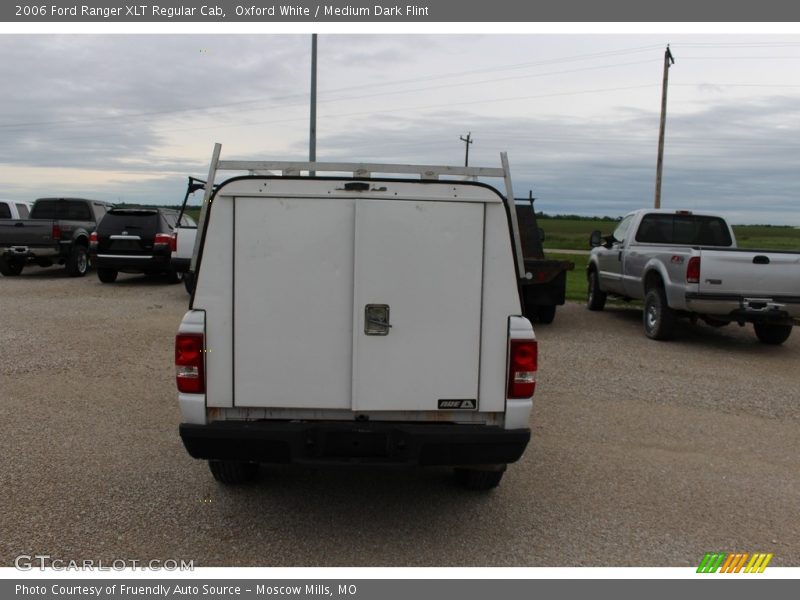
(576, 279)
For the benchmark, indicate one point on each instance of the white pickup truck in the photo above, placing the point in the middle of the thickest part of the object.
(356, 319)
(686, 264)
(185, 235)
(15, 209)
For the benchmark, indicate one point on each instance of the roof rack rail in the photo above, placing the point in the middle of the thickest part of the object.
(360, 171)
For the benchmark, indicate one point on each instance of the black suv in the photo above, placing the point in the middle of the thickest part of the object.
(135, 240)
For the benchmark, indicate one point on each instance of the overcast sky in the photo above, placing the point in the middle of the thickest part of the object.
(128, 117)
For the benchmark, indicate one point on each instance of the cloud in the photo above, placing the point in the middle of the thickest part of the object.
(133, 115)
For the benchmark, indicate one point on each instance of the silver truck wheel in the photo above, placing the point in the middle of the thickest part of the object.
(768, 333)
(659, 318)
(232, 472)
(78, 261)
(595, 297)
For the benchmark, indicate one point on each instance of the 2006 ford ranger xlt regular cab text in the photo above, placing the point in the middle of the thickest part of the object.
(686, 264)
(356, 320)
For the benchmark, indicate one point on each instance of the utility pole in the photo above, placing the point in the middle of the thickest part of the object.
(660, 162)
(467, 141)
(312, 136)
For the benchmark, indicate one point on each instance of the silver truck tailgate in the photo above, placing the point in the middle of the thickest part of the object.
(746, 273)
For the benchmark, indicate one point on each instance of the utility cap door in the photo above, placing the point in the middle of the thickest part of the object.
(417, 304)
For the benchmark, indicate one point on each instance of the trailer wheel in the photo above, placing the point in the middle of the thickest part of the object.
(78, 261)
(232, 472)
(769, 333)
(595, 297)
(659, 318)
(545, 313)
(11, 268)
(478, 479)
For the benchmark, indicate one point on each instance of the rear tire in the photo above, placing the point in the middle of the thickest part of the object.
(78, 261)
(595, 297)
(233, 472)
(188, 282)
(11, 268)
(768, 333)
(659, 319)
(545, 313)
(478, 479)
(174, 276)
(107, 275)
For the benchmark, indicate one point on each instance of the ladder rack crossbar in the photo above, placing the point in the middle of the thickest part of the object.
(358, 169)
(361, 170)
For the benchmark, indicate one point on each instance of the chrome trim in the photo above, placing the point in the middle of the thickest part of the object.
(125, 237)
(124, 256)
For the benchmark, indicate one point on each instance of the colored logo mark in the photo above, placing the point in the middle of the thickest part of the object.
(734, 562)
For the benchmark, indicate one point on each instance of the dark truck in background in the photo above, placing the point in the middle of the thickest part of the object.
(546, 288)
(57, 232)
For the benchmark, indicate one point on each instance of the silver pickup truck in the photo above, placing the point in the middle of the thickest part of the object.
(686, 264)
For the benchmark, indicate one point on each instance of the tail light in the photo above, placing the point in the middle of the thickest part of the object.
(93, 237)
(693, 270)
(522, 365)
(189, 371)
(56, 233)
(168, 239)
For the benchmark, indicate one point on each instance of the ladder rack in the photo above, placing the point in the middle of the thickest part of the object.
(359, 171)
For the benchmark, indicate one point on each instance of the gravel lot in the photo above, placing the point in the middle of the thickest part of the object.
(644, 453)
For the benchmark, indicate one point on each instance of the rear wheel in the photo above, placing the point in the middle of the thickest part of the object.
(78, 261)
(233, 472)
(11, 268)
(479, 479)
(768, 333)
(659, 318)
(107, 275)
(188, 281)
(595, 297)
(174, 276)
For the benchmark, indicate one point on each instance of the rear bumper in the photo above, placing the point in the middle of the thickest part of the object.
(121, 262)
(354, 442)
(740, 308)
(30, 252)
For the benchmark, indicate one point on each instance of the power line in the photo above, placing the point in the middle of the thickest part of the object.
(156, 131)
